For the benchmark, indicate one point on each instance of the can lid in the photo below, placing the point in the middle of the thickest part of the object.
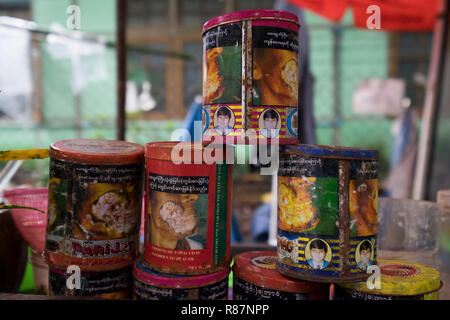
(401, 278)
(331, 151)
(153, 278)
(188, 152)
(250, 15)
(259, 268)
(97, 151)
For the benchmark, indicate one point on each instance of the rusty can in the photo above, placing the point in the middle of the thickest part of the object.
(250, 77)
(115, 284)
(398, 280)
(255, 278)
(327, 212)
(94, 204)
(188, 209)
(150, 285)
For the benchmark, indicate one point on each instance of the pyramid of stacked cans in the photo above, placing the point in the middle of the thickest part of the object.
(327, 196)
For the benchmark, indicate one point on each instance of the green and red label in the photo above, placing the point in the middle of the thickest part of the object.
(187, 217)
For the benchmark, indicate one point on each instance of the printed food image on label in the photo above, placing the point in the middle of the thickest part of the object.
(94, 211)
(296, 211)
(106, 211)
(363, 196)
(222, 60)
(275, 66)
(308, 195)
(187, 219)
(178, 221)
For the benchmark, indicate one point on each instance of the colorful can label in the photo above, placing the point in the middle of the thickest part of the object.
(115, 284)
(94, 215)
(250, 87)
(327, 217)
(188, 217)
(243, 290)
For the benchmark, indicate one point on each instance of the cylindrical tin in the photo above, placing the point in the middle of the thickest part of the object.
(327, 212)
(149, 285)
(188, 209)
(94, 204)
(399, 280)
(255, 278)
(250, 77)
(116, 284)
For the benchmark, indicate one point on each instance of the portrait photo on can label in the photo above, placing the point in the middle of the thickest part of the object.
(275, 67)
(222, 60)
(318, 254)
(269, 123)
(364, 254)
(224, 120)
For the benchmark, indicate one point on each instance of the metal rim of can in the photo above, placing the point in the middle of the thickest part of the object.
(161, 280)
(163, 150)
(251, 15)
(311, 150)
(244, 269)
(97, 151)
(426, 280)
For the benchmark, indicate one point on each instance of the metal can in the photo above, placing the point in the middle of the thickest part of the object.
(188, 209)
(115, 284)
(150, 285)
(327, 212)
(255, 278)
(250, 77)
(398, 280)
(94, 204)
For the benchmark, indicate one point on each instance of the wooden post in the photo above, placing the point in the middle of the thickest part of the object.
(434, 83)
(121, 14)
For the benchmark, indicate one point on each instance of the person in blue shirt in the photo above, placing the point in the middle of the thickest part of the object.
(365, 252)
(318, 250)
(223, 121)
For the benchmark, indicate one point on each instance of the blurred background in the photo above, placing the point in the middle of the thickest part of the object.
(368, 87)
